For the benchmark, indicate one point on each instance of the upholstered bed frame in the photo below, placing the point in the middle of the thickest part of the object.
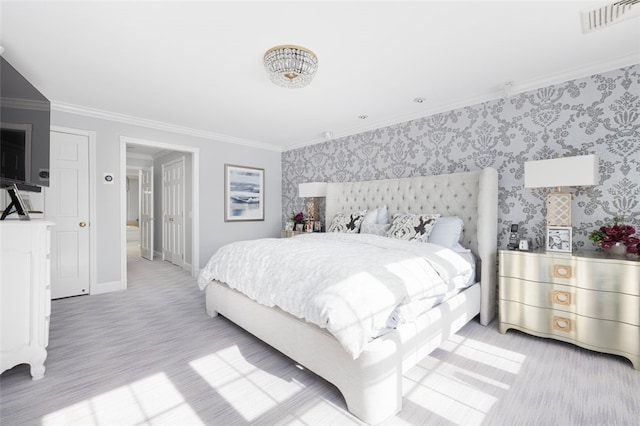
(372, 383)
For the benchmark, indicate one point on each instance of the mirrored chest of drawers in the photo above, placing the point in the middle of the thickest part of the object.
(585, 298)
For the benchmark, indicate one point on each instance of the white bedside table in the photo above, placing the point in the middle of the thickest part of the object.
(288, 234)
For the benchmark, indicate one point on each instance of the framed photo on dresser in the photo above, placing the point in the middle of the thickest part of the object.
(559, 238)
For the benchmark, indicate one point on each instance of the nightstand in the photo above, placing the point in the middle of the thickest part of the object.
(589, 299)
(287, 234)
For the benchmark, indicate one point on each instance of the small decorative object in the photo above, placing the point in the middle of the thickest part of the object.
(243, 193)
(309, 226)
(559, 238)
(617, 238)
(288, 226)
(525, 245)
(297, 218)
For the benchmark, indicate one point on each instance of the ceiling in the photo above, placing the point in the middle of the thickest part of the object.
(196, 67)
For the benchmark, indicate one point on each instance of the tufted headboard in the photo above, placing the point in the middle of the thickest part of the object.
(472, 196)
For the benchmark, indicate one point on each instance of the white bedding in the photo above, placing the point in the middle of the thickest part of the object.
(349, 284)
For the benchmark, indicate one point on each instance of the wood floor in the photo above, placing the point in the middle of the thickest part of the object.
(150, 355)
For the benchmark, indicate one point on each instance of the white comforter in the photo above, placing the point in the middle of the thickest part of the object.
(349, 284)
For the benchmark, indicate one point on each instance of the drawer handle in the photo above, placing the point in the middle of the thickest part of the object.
(561, 271)
(561, 324)
(561, 297)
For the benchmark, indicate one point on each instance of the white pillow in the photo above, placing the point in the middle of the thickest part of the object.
(375, 228)
(447, 232)
(377, 215)
(371, 217)
(412, 227)
(383, 215)
(347, 222)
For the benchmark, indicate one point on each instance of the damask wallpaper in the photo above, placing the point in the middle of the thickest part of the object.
(599, 115)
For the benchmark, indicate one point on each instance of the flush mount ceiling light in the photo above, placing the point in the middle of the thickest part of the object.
(290, 66)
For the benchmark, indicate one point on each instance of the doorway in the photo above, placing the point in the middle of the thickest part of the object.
(163, 153)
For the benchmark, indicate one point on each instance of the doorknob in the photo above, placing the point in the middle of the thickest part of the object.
(82, 224)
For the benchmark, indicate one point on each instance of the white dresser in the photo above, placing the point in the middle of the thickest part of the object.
(25, 294)
(589, 299)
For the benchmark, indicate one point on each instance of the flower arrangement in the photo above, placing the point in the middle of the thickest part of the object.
(297, 218)
(607, 236)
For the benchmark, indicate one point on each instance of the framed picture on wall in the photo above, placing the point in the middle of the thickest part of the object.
(559, 238)
(243, 193)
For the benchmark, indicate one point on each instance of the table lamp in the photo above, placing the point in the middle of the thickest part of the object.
(312, 190)
(558, 172)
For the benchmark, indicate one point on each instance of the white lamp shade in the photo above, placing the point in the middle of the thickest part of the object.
(312, 189)
(567, 171)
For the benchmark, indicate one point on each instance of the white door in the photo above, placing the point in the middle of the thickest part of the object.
(67, 205)
(146, 213)
(173, 212)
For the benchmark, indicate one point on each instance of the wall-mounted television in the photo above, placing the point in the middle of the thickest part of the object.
(25, 121)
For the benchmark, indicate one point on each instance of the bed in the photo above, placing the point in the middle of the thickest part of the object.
(371, 383)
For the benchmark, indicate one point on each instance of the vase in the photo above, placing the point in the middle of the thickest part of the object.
(618, 249)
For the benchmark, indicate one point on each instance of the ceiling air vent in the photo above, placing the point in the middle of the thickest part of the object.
(609, 14)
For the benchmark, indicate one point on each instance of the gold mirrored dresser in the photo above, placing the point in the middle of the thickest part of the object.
(589, 299)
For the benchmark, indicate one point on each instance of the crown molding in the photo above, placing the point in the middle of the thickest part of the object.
(514, 88)
(157, 125)
(30, 104)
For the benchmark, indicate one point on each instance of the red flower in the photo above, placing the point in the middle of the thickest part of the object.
(608, 236)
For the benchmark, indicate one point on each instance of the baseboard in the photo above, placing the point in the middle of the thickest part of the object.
(187, 267)
(108, 287)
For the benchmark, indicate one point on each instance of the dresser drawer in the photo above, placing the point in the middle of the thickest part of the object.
(590, 303)
(596, 334)
(599, 274)
(538, 267)
(608, 275)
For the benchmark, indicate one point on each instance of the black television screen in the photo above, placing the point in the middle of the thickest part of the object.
(25, 121)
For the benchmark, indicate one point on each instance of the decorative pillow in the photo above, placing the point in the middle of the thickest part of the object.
(347, 222)
(447, 232)
(412, 227)
(375, 228)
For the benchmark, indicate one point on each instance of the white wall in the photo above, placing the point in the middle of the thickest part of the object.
(214, 232)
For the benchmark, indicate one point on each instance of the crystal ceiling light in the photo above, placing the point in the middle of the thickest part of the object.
(290, 66)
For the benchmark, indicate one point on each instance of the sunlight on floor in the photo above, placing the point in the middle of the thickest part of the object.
(487, 354)
(249, 390)
(153, 400)
(454, 393)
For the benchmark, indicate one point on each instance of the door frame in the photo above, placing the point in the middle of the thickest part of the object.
(195, 201)
(183, 243)
(93, 222)
(142, 170)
